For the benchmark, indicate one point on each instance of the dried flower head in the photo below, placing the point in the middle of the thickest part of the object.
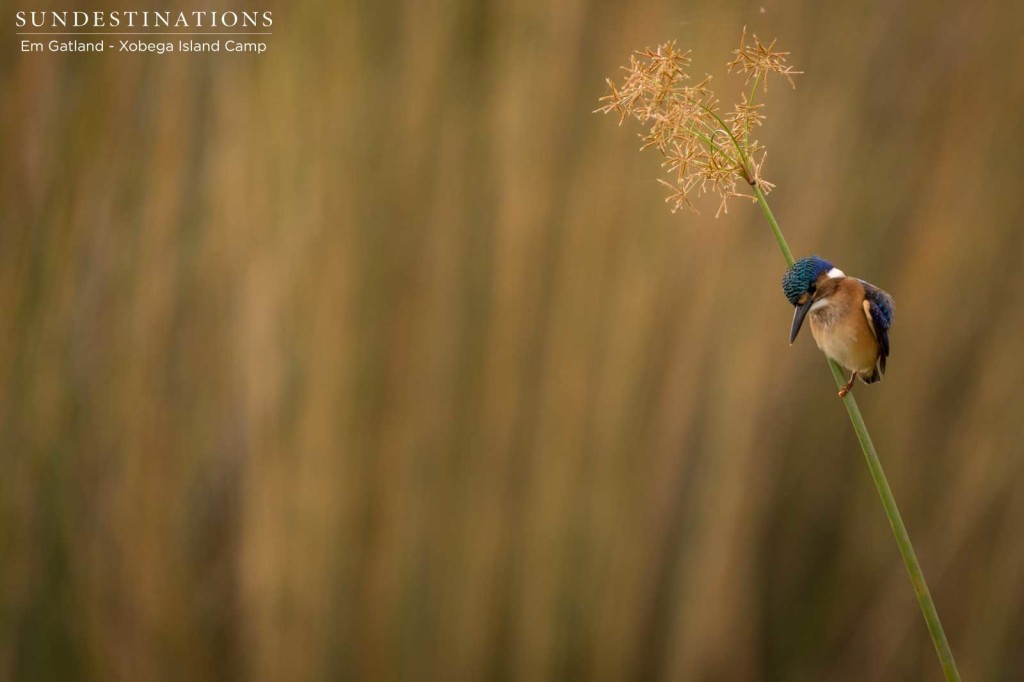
(757, 61)
(705, 151)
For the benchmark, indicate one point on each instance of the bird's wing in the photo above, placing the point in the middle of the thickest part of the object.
(879, 309)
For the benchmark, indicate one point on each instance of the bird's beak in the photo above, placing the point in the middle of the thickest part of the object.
(799, 314)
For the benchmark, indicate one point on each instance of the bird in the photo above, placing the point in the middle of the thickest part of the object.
(850, 318)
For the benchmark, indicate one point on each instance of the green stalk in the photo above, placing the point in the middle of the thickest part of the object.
(924, 597)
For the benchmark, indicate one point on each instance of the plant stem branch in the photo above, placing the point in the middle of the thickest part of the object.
(774, 224)
(736, 143)
(924, 597)
(750, 103)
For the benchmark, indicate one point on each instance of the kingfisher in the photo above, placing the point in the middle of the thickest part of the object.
(850, 318)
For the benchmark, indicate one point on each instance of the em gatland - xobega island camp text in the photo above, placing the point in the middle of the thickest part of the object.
(144, 46)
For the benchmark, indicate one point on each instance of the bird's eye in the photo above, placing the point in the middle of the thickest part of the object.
(811, 289)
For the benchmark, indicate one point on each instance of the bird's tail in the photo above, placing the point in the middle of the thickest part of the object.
(876, 375)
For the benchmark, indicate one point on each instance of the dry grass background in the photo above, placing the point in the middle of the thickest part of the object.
(380, 357)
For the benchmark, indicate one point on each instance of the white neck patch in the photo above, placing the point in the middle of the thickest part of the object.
(836, 273)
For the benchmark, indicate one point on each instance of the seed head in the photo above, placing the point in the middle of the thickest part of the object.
(758, 60)
(705, 151)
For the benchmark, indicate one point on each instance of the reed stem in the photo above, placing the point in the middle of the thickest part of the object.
(924, 596)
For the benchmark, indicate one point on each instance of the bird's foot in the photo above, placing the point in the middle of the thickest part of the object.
(849, 384)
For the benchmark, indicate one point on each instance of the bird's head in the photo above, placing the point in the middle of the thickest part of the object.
(801, 285)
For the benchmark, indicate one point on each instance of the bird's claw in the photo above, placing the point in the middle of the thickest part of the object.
(843, 392)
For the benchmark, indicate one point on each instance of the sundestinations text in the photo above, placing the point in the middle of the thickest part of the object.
(143, 19)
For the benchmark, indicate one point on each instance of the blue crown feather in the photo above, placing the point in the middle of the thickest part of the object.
(799, 277)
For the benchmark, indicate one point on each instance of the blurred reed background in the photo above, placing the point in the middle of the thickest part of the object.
(380, 357)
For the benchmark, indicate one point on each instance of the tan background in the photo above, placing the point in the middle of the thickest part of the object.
(379, 356)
